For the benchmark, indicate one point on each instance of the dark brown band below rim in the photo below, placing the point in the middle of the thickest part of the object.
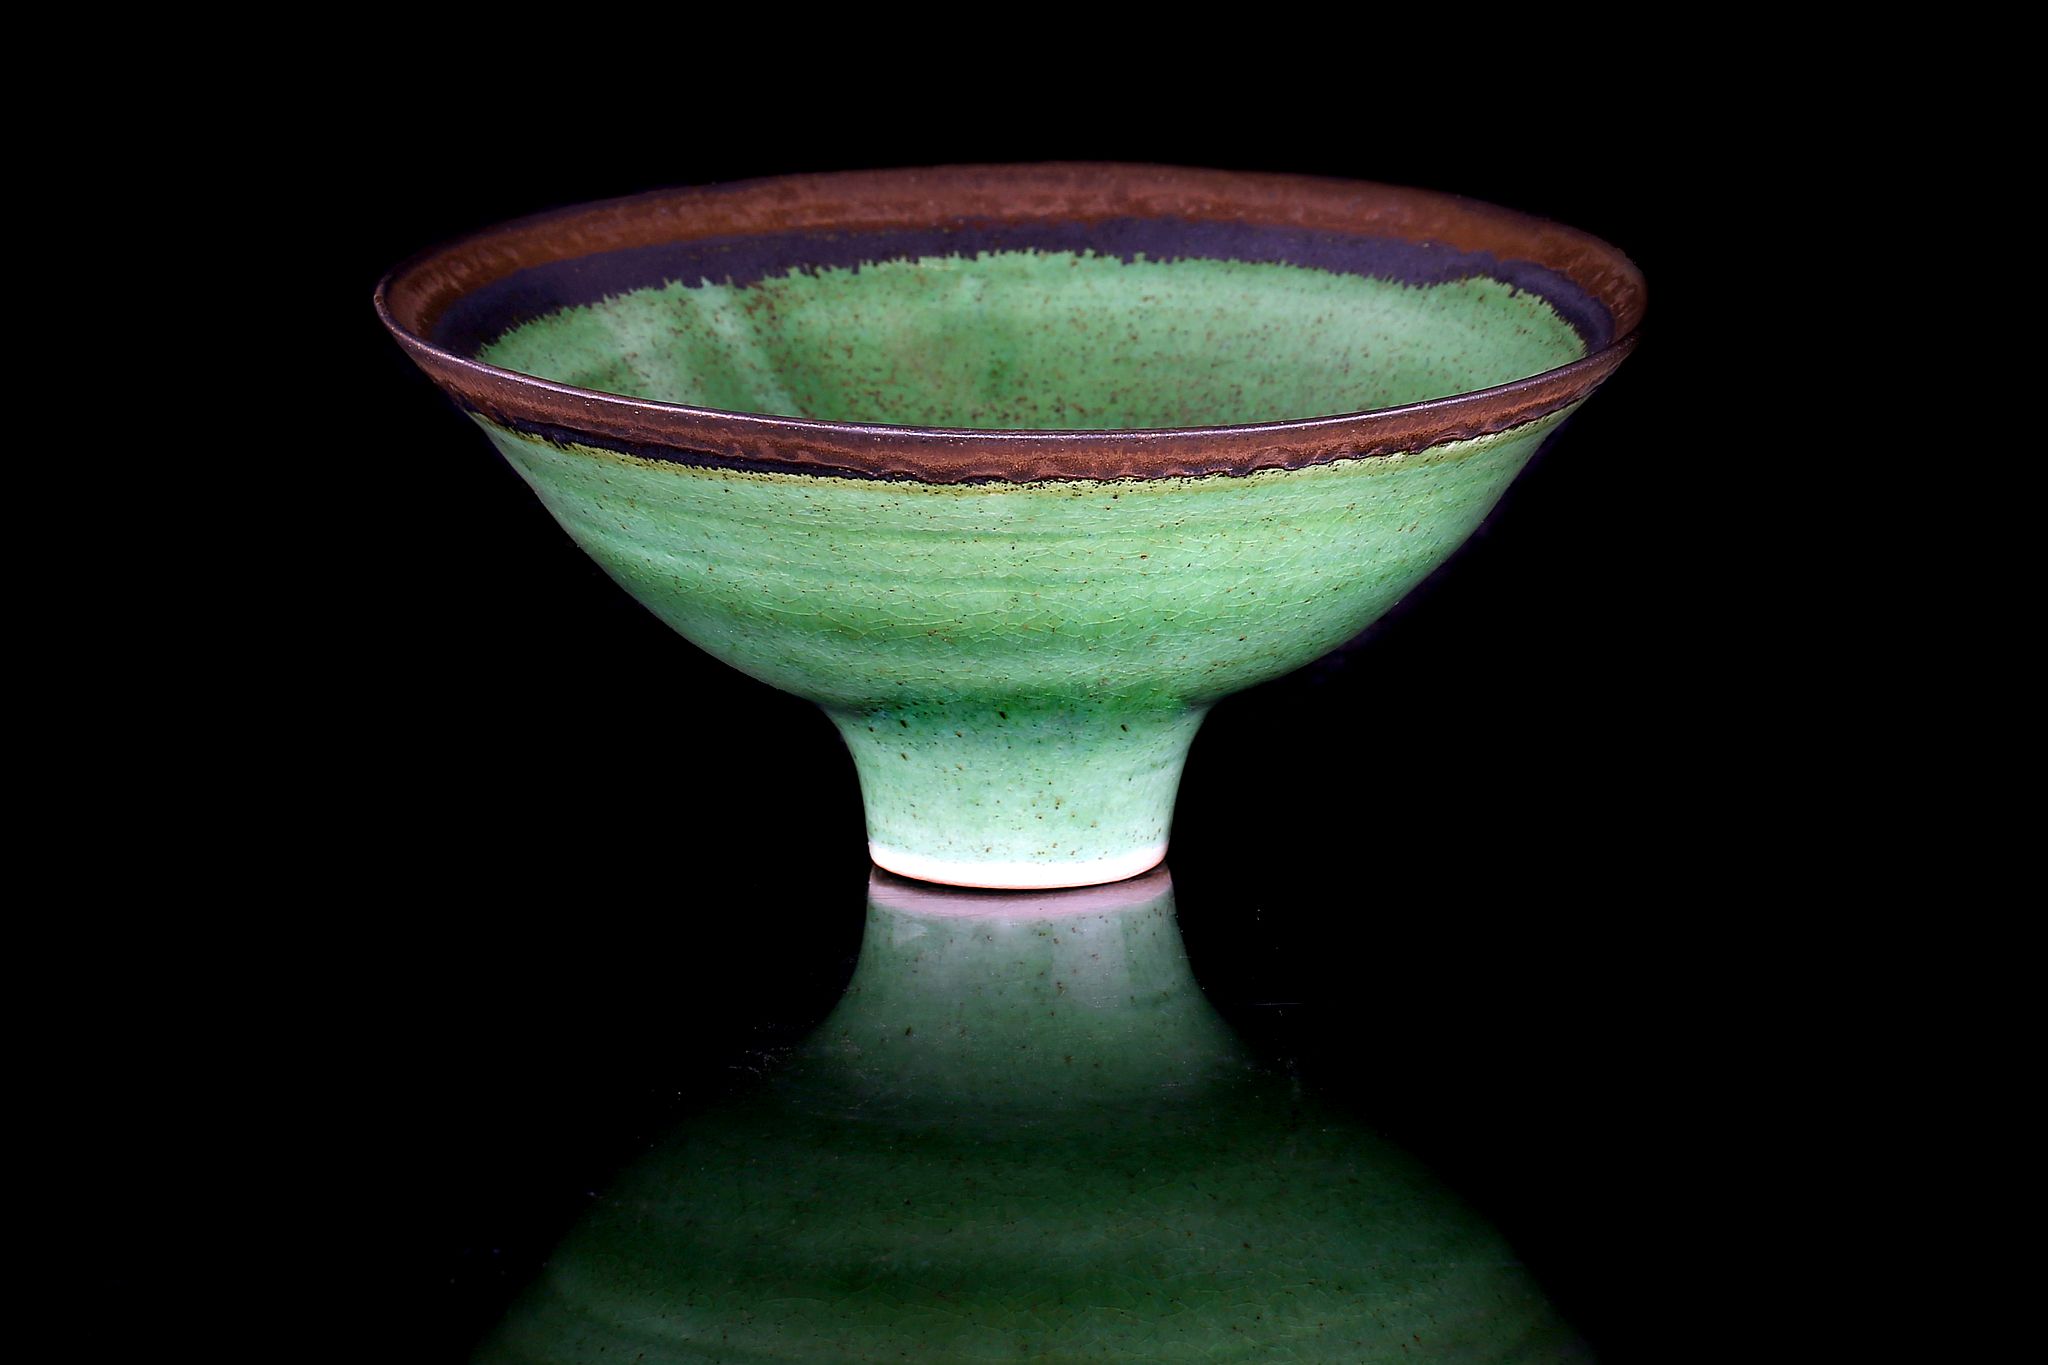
(413, 296)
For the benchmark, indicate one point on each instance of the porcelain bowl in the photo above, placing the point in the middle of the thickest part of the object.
(1017, 470)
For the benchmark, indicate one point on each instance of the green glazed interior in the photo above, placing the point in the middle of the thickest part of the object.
(1048, 340)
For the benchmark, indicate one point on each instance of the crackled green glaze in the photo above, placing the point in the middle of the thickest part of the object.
(1048, 340)
(1024, 1135)
(1020, 668)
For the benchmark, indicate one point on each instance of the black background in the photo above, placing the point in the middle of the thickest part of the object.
(1456, 873)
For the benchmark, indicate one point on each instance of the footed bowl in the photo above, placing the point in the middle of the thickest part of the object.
(1017, 470)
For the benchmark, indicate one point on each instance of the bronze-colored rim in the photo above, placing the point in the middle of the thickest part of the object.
(413, 297)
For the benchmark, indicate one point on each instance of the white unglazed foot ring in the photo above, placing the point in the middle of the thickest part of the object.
(1016, 875)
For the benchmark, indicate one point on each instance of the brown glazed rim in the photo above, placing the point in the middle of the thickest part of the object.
(413, 297)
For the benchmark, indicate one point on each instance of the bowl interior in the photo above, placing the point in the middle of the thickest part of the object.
(1133, 323)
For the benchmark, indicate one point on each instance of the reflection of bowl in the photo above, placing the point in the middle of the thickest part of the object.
(1024, 1134)
(1017, 470)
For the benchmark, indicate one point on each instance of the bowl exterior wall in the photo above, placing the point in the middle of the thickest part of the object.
(1019, 668)
(876, 594)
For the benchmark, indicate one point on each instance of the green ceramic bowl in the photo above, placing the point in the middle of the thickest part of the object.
(1017, 470)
